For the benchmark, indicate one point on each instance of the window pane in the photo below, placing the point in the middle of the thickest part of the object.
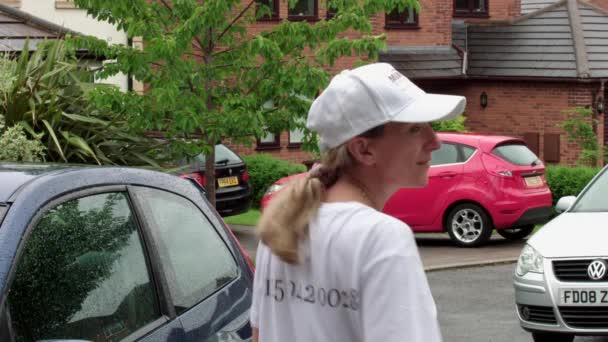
(447, 154)
(467, 151)
(394, 17)
(197, 260)
(410, 16)
(268, 138)
(479, 6)
(83, 274)
(270, 5)
(518, 154)
(222, 152)
(303, 8)
(594, 199)
(461, 5)
(296, 136)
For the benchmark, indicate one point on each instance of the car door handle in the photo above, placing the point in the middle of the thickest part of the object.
(447, 174)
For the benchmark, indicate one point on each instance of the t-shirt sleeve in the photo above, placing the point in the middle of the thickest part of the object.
(396, 301)
(258, 289)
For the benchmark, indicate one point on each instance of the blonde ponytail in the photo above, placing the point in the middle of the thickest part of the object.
(285, 220)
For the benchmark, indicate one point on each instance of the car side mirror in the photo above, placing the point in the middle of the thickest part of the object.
(564, 203)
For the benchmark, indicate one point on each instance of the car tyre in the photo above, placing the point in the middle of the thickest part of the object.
(516, 233)
(468, 225)
(552, 337)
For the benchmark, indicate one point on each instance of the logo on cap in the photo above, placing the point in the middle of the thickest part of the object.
(395, 76)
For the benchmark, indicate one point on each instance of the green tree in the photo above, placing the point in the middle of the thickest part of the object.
(580, 128)
(207, 74)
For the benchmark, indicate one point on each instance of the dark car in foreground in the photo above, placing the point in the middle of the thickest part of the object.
(233, 192)
(113, 254)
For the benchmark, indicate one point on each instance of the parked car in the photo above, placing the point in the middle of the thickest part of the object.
(109, 254)
(477, 183)
(561, 283)
(233, 192)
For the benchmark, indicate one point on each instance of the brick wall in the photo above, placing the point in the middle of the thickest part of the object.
(516, 108)
(292, 154)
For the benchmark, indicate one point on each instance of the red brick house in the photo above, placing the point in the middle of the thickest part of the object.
(529, 59)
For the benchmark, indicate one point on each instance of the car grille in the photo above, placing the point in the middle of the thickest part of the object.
(572, 270)
(538, 314)
(585, 317)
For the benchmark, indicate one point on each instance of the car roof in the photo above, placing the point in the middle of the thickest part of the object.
(487, 142)
(15, 175)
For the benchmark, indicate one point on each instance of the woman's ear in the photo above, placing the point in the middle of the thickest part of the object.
(361, 151)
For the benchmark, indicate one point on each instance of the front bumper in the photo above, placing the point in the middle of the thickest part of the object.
(537, 298)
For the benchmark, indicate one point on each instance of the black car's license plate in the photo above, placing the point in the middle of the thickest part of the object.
(583, 297)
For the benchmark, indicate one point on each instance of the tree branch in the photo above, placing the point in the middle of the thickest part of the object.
(236, 19)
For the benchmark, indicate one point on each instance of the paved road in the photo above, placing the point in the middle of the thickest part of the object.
(477, 305)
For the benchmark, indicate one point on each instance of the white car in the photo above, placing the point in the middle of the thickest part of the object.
(561, 281)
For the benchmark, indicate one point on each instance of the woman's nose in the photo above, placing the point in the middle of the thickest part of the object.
(433, 142)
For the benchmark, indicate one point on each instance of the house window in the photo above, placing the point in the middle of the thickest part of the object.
(331, 11)
(471, 8)
(273, 6)
(304, 10)
(270, 141)
(65, 4)
(296, 136)
(12, 3)
(407, 18)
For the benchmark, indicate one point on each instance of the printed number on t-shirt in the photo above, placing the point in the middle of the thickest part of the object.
(280, 290)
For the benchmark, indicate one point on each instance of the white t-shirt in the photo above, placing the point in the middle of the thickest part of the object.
(360, 279)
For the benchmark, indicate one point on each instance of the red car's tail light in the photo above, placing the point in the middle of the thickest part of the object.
(245, 176)
(196, 176)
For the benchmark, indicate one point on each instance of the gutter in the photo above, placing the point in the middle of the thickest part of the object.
(35, 21)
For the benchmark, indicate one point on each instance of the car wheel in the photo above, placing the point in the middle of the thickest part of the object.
(468, 225)
(516, 233)
(552, 337)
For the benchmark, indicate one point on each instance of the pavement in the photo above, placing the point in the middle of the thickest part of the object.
(436, 250)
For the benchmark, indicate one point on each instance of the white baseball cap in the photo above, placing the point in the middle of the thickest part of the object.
(369, 96)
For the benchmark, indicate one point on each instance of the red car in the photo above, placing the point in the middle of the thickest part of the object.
(477, 183)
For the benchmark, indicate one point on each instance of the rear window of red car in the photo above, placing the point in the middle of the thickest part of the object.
(518, 154)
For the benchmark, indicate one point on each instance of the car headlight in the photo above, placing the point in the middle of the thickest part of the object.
(274, 188)
(529, 261)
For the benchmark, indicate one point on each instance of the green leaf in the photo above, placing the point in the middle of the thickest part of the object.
(51, 132)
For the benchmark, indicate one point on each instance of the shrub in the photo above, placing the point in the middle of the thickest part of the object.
(455, 125)
(568, 181)
(264, 170)
(15, 146)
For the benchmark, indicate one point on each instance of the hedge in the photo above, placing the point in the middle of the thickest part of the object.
(264, 170)
(568, 181)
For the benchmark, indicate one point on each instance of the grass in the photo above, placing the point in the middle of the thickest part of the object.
(249, 218)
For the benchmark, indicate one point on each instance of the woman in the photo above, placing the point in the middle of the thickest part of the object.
(331, 266)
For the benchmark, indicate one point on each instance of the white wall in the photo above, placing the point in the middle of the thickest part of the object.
(79, 21)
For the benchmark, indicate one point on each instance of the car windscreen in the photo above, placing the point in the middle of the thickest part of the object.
(516, 153)
(594, 198)
(223, 156)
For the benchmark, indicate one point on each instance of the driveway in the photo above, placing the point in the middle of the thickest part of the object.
(436, 250)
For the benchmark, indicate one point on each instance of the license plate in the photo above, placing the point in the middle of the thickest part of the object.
(227, 181)
(533, 181)
(583, 297)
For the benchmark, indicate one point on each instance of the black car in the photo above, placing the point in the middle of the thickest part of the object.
(116, 254)
(233, 192)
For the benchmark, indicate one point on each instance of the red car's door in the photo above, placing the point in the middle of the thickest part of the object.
(421, 207)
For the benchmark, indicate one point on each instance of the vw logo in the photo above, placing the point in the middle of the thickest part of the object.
(597, 269)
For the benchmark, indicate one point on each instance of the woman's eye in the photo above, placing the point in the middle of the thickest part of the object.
(415, 129)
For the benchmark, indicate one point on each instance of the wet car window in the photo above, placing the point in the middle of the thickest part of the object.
(594, 199)
(518, 154)
(83, 274)
(447, 154)
(197, 260)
